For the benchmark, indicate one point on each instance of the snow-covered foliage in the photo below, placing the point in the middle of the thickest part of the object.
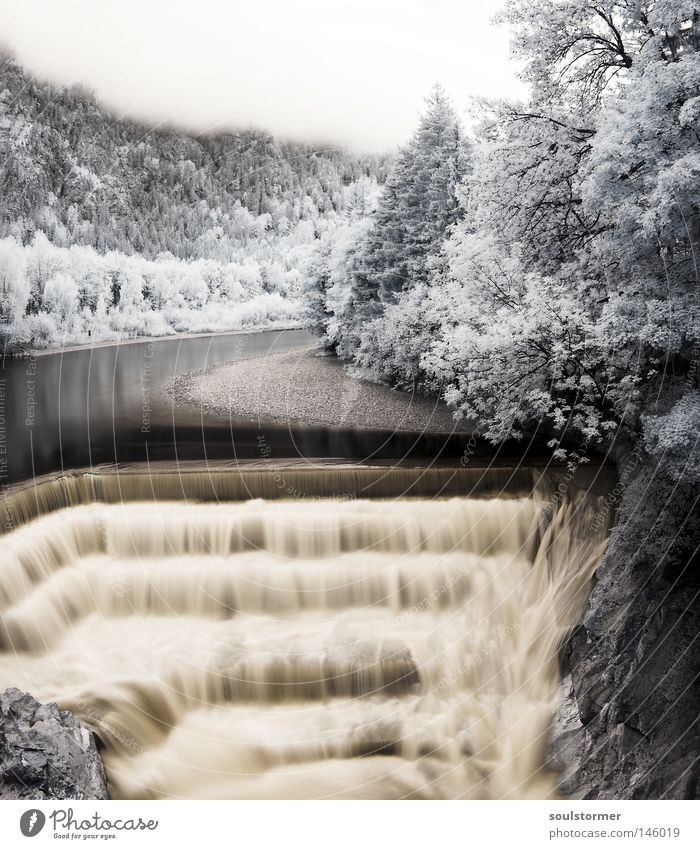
(327, 295)
(566, 295)
(383, 261)
(584, 305)
(112, 228)
(52, 296)
(674, 436)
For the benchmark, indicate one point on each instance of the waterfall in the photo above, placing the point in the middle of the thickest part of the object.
(321, 645)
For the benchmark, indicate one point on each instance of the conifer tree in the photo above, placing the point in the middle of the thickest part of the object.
(416, 208)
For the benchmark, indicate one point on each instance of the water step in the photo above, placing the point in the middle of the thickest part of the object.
(221, 588)
(302, 530)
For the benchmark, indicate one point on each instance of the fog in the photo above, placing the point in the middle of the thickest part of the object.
(349, 72)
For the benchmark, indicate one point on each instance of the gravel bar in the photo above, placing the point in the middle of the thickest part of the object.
(308, 386)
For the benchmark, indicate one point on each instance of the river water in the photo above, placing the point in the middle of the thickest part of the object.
(109, 404)
(277, 629)
(295, 648)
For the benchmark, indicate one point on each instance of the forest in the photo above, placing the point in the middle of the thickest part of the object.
(110, 229)
(538, 272)
(542, 272)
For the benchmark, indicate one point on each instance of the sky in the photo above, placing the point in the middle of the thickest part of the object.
(353, 72)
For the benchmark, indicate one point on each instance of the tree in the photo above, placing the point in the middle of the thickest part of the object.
(570, 288)
(328, 291)
(415, 210)
(116, 185)
(417, 205)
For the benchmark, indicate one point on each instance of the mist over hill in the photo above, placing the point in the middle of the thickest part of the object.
(109, 227)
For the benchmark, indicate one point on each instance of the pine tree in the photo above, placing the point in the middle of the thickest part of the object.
(416, 209)
(419, 202)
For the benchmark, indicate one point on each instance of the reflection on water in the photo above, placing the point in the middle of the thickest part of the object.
(107, 404)
(339, 647)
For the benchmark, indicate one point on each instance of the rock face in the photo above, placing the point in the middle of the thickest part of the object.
(566, 742)
(45, 753)
(635, 661)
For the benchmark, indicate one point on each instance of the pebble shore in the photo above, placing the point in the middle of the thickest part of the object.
(308, 386)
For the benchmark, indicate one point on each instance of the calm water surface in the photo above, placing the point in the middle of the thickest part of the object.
(81, 408)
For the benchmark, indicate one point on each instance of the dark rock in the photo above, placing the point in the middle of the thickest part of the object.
(45, 753)
(635, 662)
(566, 741)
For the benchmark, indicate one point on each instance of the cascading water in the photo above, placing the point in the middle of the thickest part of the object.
(384, 648)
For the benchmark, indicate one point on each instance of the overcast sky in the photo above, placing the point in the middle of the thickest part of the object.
(352, 71)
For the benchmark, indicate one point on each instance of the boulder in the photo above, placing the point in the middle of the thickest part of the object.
(45, 753)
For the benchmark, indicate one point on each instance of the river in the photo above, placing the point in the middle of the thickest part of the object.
(281, 628)
(109, 404)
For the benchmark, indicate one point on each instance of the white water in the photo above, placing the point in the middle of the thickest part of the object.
(370, 649)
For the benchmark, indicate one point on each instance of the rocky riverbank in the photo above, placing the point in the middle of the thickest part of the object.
(45, 753)
(634, 662)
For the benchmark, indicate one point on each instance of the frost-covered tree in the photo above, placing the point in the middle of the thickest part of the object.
(61, 297)
(328, 288)
(392, 260)
(51, 295)
(570, 295)
(416, 207)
